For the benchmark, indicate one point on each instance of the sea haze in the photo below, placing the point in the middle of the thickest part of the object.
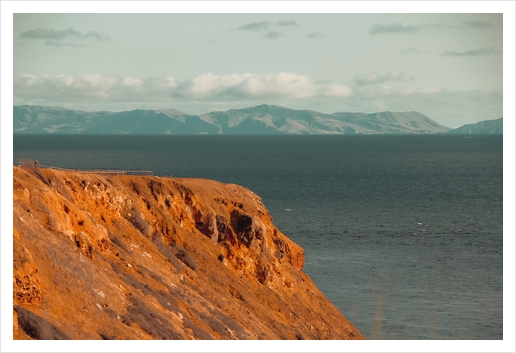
(402, 233)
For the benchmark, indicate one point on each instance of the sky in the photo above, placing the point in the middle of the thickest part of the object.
(446, 66)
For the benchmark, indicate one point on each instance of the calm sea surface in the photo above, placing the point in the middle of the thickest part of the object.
(402, 233)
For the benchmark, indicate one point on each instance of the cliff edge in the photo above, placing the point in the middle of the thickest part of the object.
(134, 257)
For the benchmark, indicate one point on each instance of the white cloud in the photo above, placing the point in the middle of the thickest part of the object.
(392, 84)
(288, 85)
(167, 81)
(374, 77)
(208, 86)
(368, 79)
(393, 90)
(132, 82)
(335, 90)
(429, 90)
(394, 75)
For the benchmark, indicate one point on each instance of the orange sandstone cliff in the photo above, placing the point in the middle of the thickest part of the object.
(133, 257)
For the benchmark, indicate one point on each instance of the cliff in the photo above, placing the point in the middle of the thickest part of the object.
(133, 257)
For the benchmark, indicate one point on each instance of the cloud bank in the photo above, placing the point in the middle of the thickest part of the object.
(477, 24)
(208, 86)
(471, 52)
(68, 37)
(273, 35)
(393, 28)
(264, 25)
(211, 87)
(375, 78)
(287, 23)
(55, 43)
(255, 26)
(70, 33)
(314, 35)
(413, 51)
(400, 28)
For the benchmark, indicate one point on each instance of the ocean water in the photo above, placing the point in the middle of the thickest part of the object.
(403, 234)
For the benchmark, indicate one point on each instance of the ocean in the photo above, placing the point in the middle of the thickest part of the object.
(403, 233)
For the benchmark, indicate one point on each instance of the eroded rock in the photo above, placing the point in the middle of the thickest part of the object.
(172, 259)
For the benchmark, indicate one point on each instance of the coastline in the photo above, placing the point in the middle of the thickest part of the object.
(157, 258)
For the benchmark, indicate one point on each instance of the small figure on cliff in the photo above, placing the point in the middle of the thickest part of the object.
(36, 164)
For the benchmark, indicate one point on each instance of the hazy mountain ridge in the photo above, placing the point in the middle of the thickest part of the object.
(262, 119)
(36, 119)
(482, 127)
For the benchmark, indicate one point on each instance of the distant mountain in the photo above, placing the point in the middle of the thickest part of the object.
(41, 120)
(271, 119)
(482, 127)
(262, 119)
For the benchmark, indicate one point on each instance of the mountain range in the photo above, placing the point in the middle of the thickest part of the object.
(482, 127)
(262, 119)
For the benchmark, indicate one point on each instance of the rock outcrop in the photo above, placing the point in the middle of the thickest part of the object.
(133, 257)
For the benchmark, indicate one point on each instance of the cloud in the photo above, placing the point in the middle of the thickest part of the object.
(375, 78)
(99, 88)
(384, 91)
(65, 86)
(273, 35)
(264, 26)
(287, 23)
(96, 35)
(400, 28)
(375, 87)
(413, 51)
(282, 84)
(436, 25)
(255, 26)
(477, 24)
(50, 34)
(393, 28)
(471, 52)
(314, 35)
(55, 43)
(44, 33)
(133, 82)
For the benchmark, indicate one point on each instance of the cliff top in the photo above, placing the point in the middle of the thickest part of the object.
(145, 257)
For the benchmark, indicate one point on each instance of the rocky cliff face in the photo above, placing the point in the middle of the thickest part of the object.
(127, 257)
